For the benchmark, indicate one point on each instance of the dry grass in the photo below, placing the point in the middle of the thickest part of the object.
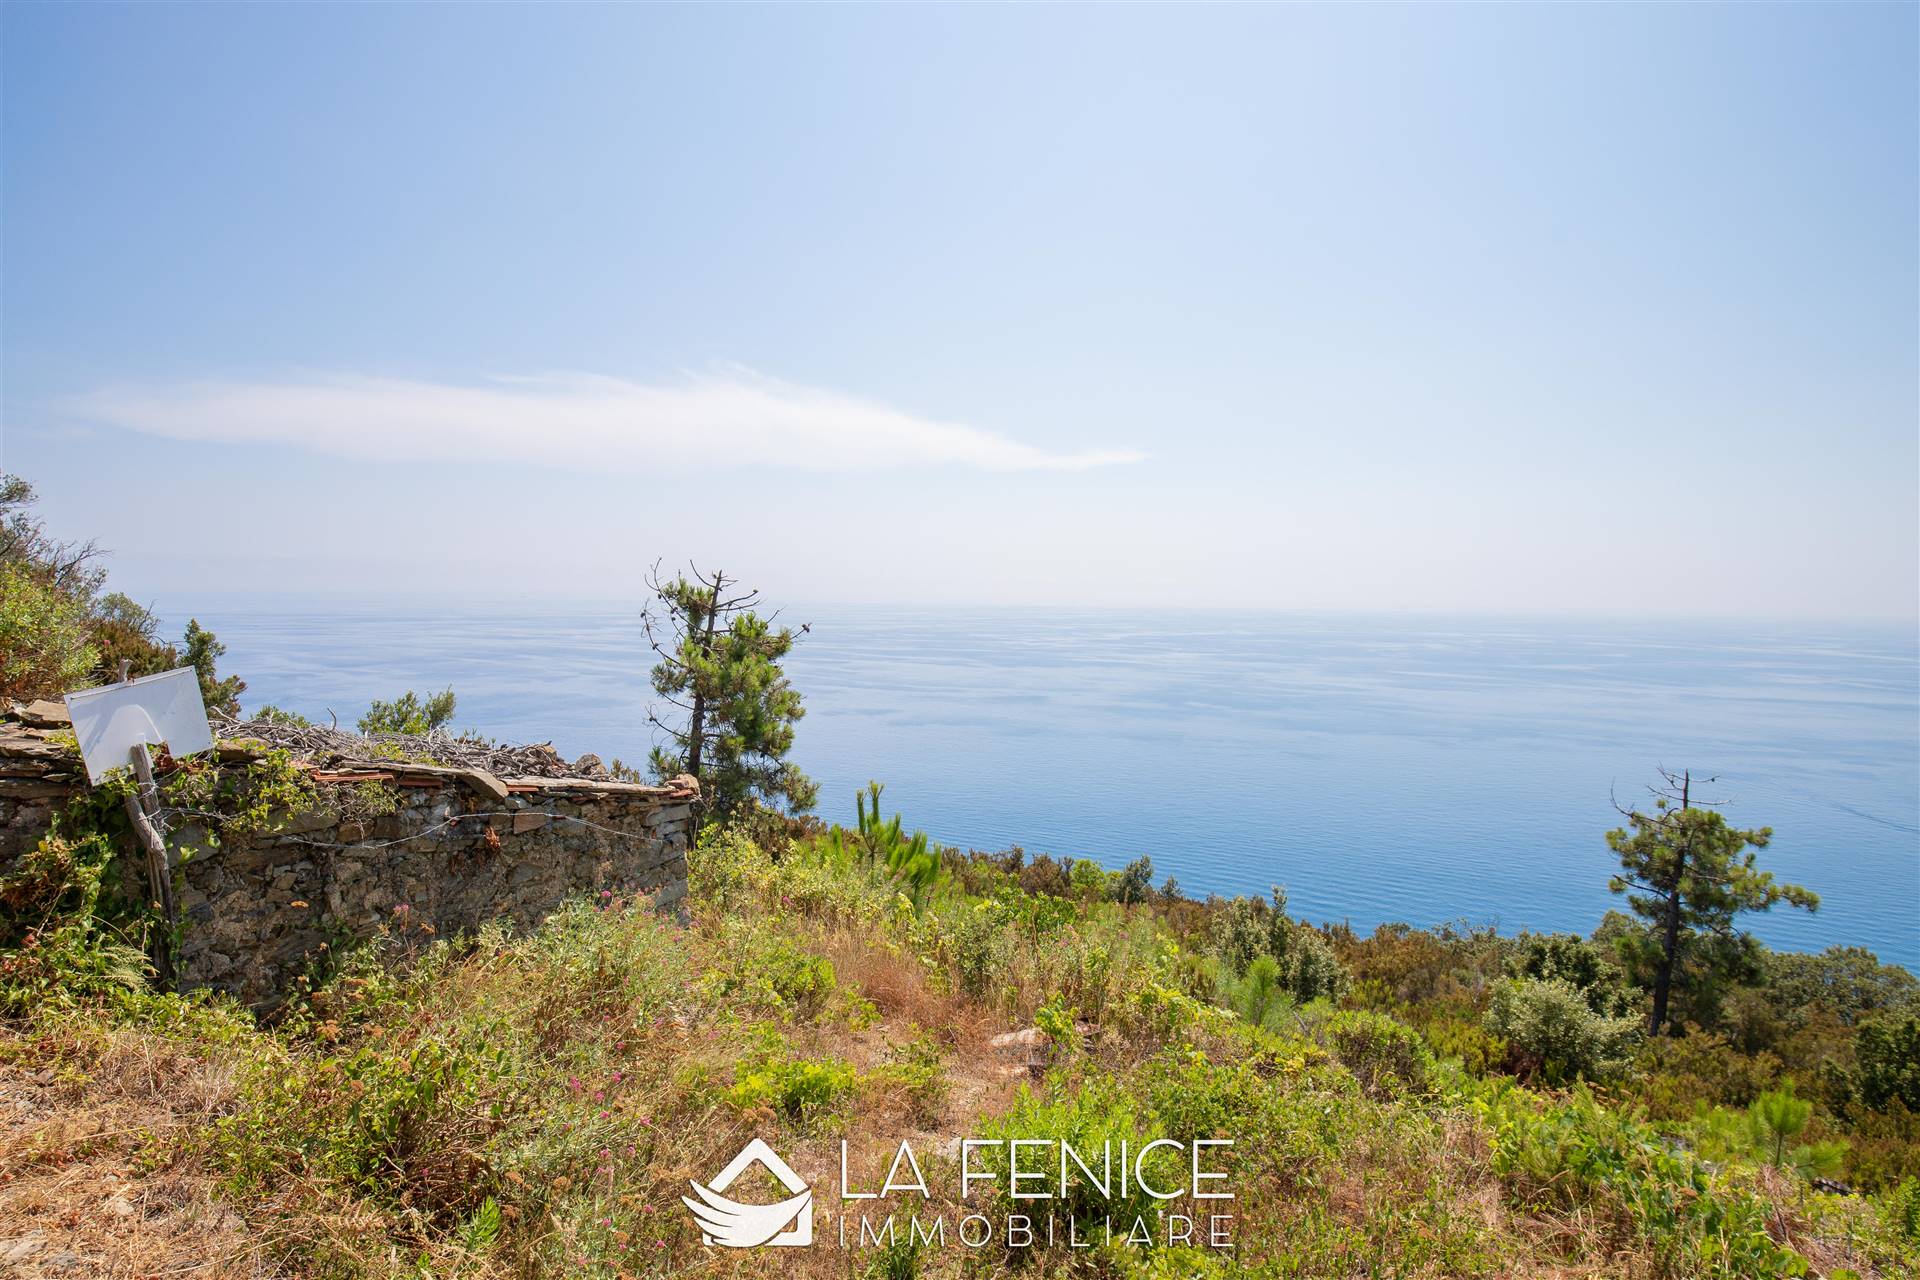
(896, 984)
(91, 1183)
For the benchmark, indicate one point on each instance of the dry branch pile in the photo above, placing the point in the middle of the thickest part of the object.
(327, 745)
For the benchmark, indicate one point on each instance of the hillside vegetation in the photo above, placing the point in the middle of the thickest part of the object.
(536, 1105)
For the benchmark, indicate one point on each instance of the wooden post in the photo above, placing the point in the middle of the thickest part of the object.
(143, 810)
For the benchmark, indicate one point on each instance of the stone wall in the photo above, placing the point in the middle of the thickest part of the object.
(462, 848)
(37, 775)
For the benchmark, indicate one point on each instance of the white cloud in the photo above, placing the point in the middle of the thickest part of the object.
(735, 417)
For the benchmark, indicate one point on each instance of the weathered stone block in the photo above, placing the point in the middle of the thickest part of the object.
(485, 785)
(32, 789)
(306, 822)
(675, 816)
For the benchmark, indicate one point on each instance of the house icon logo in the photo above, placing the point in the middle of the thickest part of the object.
(743, 1226)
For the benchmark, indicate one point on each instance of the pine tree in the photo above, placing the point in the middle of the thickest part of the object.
(1689, 875)
(734, 710)
(409, 713)
(220, 694)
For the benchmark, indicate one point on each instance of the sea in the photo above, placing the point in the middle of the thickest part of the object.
(1380, 768)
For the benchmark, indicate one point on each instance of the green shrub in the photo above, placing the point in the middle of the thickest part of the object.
(483, 1228)
(898, 1259)
(1258, 995)
(916, 1067)
(400, 1122)
(1777, 1117)
(1059, 1023)
(1090, 880)
(803, 982)
(263, 795)
(124, 630)
(1313, 972)
(1385, 1056)
(801, 1089)
(1468, 1042)
(767, 969)
(1849, 982)
(910, 859)
(1036, 917)
(1398, 964)
(1581, 1157)
(1193, 1097)
(1166, 1013)
(979, 948)
(1582, 965)
(1888, 1048)
(1134, 882)
(1884, 1148)
(1246, 927)
(1094, 1113)
(726, 870)
(1083, 966)
(1900, 1209)
(1552, 1031)
(1672, 1075)
(57, 946)
(409, 713)
(1307, 968)
(1765, 1133)
(45, 649)
(201, 651)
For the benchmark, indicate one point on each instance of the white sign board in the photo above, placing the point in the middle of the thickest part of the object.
(110, 720)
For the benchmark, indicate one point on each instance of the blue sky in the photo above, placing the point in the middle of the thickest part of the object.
(1503, 309)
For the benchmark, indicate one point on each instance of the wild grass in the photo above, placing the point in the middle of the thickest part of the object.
(533, 1105)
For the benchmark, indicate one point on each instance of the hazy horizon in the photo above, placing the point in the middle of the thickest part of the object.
(176, 606)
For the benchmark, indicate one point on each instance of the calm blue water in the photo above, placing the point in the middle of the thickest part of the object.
(1422, 770)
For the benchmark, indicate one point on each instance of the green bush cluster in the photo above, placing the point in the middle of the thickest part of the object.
(59, 632)
(1552, 1030)
(1094, 1116)
(1385, 1056)
(801, 1089)
(409, 713)
(915, 1065)
(1888, 1049)
(1552, 1007)
(908, 858)
(46, 646)
(59, 943)
(768, 970)
(1579, 1155)
(1767, 1132)
(1304, 966)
